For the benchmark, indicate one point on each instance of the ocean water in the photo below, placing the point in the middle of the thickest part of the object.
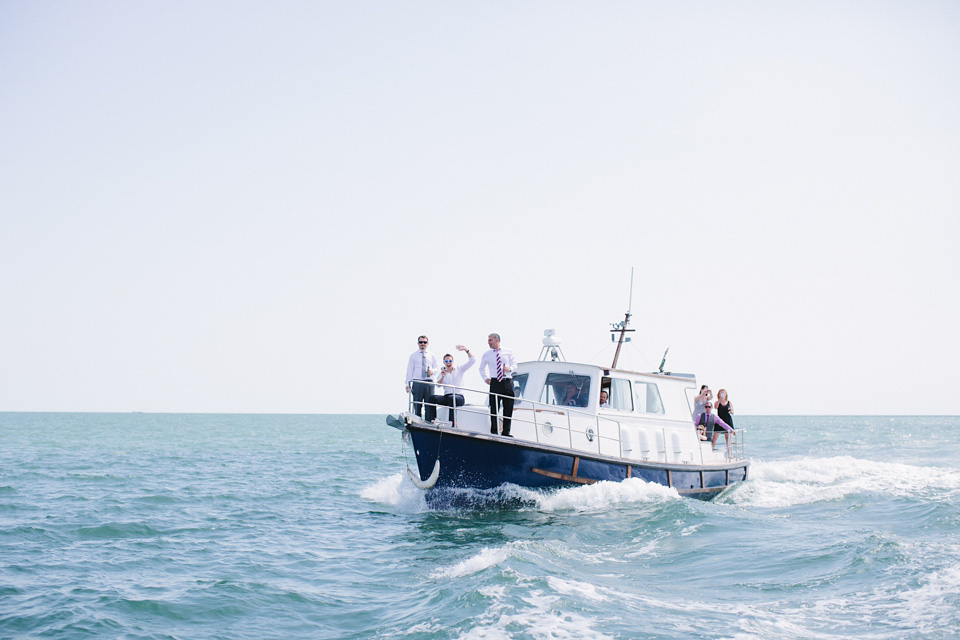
(304, 526)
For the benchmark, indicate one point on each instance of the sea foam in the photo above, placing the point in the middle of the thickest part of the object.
(396, 491)
(810, 480)
(484, 560)
(537, 615)
(603, 495)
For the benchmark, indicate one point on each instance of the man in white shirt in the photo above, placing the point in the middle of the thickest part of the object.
(450, 379)
(603, 400)
(421, 368)
(496, 368)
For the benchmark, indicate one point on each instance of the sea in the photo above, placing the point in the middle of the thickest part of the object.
(306, 526)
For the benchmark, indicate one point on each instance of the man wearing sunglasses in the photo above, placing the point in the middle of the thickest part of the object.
(450, 379)
(421, 367)
(712, 425)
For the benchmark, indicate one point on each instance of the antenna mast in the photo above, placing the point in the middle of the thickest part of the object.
(622, 326)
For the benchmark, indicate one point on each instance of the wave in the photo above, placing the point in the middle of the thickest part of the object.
(602, 495)
(484, 560)
(539, 620)
(119, 530)
(925, 605)
(398, 491)
(921, 603)
(538, 614)
(931, 603)
(809, 480)
(773, 484)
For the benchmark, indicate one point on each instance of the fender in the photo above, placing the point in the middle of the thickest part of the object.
(429, 482)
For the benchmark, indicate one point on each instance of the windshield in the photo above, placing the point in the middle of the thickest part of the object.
(566, 389)
(519, 384)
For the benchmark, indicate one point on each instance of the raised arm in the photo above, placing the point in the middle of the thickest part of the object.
(470, 358)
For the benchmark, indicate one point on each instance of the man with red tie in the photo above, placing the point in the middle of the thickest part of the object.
(496, 368)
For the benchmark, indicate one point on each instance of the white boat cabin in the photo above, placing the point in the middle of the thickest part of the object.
(647, 417)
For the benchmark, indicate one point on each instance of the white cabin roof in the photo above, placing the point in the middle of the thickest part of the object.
(560, 366)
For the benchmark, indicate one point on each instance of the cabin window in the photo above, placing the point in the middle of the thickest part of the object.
(620, 397)
(566, 389)
(647, 397)
(519, 384)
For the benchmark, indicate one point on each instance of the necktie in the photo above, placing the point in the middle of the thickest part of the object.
(423, 365)
(499, 366)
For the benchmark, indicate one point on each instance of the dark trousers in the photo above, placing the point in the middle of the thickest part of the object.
(449, 400)
(505, 400)
(422, 389)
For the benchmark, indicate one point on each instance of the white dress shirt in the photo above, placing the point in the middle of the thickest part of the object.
(489, 362)
(454, 378)
(415, 364)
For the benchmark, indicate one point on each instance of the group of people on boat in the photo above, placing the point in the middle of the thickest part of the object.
(497, 365)
(496, 369)
(709, 426)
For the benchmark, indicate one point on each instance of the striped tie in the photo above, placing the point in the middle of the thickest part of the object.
(499, 366)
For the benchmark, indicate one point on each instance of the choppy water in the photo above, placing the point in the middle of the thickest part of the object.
(265, 526)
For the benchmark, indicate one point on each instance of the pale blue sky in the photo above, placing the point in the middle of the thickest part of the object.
(258, 206)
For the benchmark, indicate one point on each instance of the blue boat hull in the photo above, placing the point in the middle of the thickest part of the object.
(479, 461)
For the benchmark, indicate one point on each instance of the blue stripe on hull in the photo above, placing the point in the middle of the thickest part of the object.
(477, 462)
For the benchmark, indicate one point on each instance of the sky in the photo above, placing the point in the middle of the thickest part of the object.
(258, 206)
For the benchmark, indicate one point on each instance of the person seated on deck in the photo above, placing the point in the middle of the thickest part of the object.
(603, 399)
(713, 424)
(572, 396)
(450, 379)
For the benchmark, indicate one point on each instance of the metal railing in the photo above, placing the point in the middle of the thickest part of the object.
(734, 449)
(661, 448)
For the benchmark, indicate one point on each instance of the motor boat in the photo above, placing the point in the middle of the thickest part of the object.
(560, 435)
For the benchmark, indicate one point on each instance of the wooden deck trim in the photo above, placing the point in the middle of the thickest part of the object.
(563, 476)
